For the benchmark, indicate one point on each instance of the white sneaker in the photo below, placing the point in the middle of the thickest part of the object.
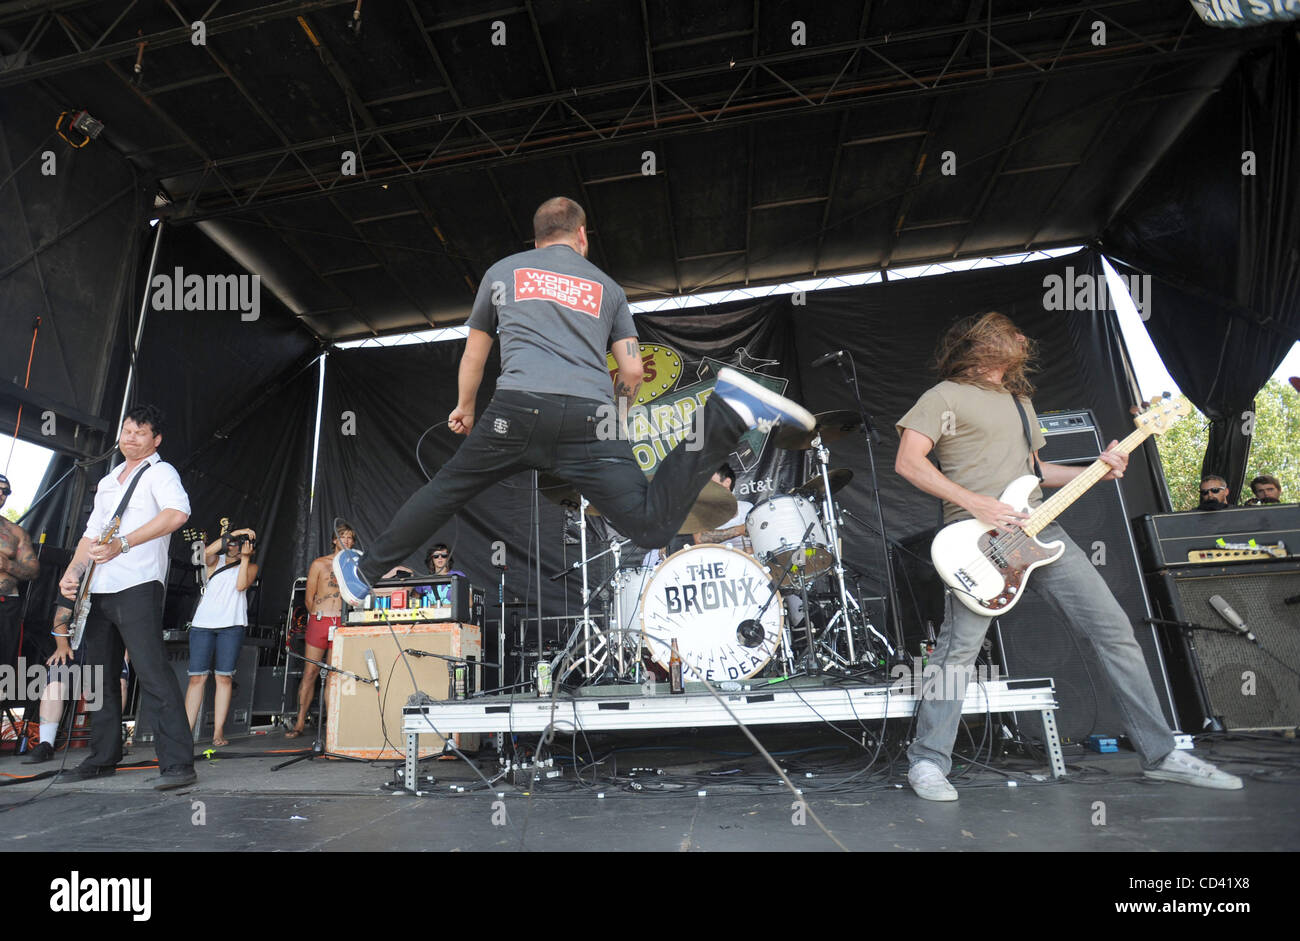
(929, 783)
(1186, 769)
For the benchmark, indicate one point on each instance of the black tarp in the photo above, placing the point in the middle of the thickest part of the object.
(1222, 247)
(70, 231)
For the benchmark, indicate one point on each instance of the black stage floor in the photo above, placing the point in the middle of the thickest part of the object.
(651, 785)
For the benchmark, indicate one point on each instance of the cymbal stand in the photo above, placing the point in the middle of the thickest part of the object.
(830, 513)
(593, 659)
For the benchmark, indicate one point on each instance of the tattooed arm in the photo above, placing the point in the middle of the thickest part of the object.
(17, 558)
(627, 354)
(719, 535)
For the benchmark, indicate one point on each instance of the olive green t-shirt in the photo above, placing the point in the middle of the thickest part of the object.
(978, 438)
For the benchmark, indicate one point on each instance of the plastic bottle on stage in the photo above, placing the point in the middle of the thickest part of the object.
(675, 670)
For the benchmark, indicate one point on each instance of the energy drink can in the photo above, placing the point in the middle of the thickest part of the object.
(459, 673)
(543, 679)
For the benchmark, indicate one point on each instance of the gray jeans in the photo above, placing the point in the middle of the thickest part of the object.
(1074, 588)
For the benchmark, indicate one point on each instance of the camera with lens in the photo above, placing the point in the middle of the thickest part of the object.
(238, 540)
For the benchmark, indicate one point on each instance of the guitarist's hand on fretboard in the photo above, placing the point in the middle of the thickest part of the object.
(1117, 461)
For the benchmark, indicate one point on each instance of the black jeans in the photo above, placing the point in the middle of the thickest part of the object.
(131, 619)
(558, 433)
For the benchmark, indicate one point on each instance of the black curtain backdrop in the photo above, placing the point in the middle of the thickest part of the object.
(1223, 248)
(69, 244)
(394, 394)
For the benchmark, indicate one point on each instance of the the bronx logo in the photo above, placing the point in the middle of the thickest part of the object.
(578, 294)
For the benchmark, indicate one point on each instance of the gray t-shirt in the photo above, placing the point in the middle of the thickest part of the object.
(978, 438)
(556, 314)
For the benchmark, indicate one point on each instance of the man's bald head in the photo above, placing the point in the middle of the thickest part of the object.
(559, 219)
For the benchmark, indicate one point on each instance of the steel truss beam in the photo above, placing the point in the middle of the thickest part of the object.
(532, 140)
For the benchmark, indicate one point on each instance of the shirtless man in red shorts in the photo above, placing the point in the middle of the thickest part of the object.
(325, 608)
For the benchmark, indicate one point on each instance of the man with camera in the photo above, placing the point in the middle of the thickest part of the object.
(217, 629)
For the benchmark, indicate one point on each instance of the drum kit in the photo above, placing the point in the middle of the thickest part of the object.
(773, 601)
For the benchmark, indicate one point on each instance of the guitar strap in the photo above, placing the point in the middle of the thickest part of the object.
(126, 497)
(1029, 438)
(229, 565)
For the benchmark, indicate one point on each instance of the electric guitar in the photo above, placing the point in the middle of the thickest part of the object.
(987, 568)
(81, 604)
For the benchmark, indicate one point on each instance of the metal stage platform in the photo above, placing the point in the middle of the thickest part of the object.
(758, 702)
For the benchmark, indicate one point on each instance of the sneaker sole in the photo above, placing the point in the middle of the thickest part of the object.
(1193, 780)
(797, 412)
(933, 795)
(337, 568)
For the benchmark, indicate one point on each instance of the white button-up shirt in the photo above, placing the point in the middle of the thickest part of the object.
(159, 489)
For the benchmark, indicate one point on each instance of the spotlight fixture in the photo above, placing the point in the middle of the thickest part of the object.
(82, 123)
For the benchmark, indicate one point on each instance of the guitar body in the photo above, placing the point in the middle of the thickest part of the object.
(986, 568)
(81, 604)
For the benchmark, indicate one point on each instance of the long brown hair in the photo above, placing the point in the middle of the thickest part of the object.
(982, 342)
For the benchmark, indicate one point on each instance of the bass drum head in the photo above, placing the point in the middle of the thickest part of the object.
(699, 596)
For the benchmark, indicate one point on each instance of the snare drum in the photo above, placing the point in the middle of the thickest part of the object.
(776, 528)
(699, 596)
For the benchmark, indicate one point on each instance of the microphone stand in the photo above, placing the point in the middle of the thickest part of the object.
(872, 437)
(318, 745)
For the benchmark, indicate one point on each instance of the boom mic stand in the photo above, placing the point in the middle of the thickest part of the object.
(318, 745)
(872, 437)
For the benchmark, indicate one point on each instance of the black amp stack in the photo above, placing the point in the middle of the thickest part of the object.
(1226, 585)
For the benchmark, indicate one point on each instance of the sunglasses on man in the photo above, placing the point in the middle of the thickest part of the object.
(442, 555)
(1206, 493)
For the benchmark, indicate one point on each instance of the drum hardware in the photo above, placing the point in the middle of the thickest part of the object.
(591, 661)
(750, 632)
(849, 371)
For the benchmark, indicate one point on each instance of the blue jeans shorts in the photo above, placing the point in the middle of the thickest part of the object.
(215, 649)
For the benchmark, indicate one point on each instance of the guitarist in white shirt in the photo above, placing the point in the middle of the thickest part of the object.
(971, 424)
(126, 602)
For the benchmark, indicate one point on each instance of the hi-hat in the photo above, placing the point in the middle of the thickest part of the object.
(561, 492)
(812, 487)
(830, 425)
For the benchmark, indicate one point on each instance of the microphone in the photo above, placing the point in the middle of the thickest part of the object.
(827, 358)
(416, 653)
(1294, 599)
(1228, 614)
(750, 633)
(372, 667)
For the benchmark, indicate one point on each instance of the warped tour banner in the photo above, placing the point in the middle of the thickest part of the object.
(682, 353)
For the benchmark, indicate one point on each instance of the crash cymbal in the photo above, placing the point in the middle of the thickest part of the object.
(812, 487)
(714, 506)
(562, 492)
(830, 425)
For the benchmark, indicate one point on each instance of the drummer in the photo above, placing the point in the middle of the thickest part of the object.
(730, 534)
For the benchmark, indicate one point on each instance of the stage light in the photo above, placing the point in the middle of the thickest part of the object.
(87, 125)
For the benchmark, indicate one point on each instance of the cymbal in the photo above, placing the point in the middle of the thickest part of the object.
(714, 506)
(561, 492)
(832, 426)
(812, 487)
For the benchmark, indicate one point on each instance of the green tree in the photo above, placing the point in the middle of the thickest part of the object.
(1274, 447)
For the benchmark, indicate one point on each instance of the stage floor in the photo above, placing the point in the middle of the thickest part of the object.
(240, 804)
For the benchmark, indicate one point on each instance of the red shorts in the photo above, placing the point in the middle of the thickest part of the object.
(319, 630)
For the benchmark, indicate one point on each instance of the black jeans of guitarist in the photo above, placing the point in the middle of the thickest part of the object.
(131, 619)
(559, 434)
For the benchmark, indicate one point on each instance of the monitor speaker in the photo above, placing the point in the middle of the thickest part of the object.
(365, 722)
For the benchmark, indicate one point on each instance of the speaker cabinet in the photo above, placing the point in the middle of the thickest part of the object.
(1228, 677)
(1034, 641)
(239, 720)
(363, 723)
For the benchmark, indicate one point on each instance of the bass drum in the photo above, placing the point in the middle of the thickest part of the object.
(700, 596)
